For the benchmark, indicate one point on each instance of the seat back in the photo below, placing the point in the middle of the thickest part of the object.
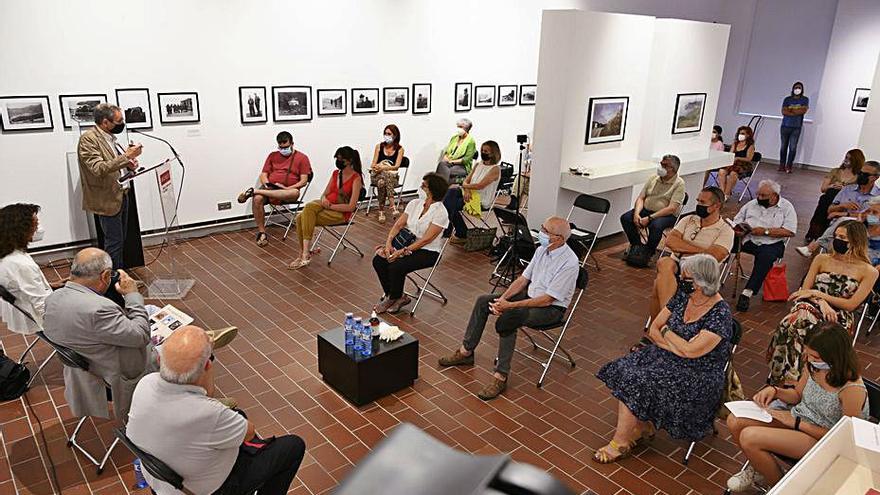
(404, 162)
(154, 466)
(583, 277)
(756, 157)
(592, 204)
(873, 397)
(505, 182)
(736, 335)
(68, 356)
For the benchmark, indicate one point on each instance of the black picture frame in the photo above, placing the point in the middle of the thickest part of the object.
(484, 104)
(416, 87)
(606, 100)
(396, 109)
(185, 104)
(259, 114)
(503, 98)
(341, 93)
(355, 109)
(286, 114)
(135, 116)
(861, 93)
(85, 114)
(677, 128)
(464, 101)
(6, 121)
(523, 88)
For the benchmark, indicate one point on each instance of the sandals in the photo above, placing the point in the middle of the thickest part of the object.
(298, 263)
(603, 456)
(381, 217)
(643, 342)
(398, 305)
(243, 197)
(647, 436)
(262, 239)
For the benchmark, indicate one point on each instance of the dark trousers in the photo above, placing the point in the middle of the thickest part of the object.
(506, 325)
(764, 255)
(452, 173)
(271, 470)
(655, 228)
(820, 222)
(114, 232)
(392, 275)
(789, 137)
(454, 203)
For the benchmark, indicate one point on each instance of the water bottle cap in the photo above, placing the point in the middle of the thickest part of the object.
(349, 315)
(358, 319)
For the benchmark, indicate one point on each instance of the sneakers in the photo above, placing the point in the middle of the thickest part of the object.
(744, 480)
(493, 389)
(457, 359)
(395, 212)
(804, 251)
(742, 303)
(222, 337)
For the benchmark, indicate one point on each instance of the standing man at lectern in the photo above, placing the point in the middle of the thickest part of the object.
(101, 162)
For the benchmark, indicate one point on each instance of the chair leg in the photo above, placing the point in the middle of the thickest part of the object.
(43, 365)
(99, 465)
(27, 350)
(687, 455)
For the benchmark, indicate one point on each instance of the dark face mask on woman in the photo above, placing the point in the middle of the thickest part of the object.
(340, 164)
(702, 211)
(486, 157)
(840, 246)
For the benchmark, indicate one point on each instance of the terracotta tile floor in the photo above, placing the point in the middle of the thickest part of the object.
(272, 370)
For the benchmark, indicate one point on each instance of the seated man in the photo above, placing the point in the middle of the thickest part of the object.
(204, 445)
(285, 172)
(537, 297)
(763, 223)
(114, 340)
(702, 232)
(656, 207)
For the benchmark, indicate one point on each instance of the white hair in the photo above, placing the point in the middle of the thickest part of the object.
(466, 123)
(703, 268)
(772, 184)
(92, 267)
(186, 376)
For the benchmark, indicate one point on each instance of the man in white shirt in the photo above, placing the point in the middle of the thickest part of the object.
(763, 224)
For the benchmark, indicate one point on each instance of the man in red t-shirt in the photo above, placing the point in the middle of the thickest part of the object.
(285, 172)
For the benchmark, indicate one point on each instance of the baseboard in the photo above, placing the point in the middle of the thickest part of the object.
(804, 166)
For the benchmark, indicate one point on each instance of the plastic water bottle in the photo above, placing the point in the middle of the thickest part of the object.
(357, 342)
(139, 481)
(367, 339)
(349, 332)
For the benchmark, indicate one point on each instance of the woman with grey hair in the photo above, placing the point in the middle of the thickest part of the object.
(455, 162)
(676, 382)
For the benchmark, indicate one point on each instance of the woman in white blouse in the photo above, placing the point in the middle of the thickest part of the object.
(19, 274)
(422, 222)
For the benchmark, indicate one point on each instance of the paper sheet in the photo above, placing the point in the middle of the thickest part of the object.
(749, 410)
(866, 434)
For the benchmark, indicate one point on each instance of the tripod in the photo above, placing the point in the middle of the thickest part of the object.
(510, 262)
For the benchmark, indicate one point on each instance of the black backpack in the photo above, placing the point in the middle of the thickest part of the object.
(14, 378)
(638, 256)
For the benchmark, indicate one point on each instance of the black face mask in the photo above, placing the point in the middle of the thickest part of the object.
(862, 178)
(702, 211)
(686, 286)
(840, 246)
(764, 202)
(340, 164)
(485, 157)
(118, 128)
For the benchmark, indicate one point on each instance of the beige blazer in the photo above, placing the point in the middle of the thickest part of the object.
(98, 170)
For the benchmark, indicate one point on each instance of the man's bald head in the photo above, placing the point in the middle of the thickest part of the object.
(184, 354)
(90, 263)
(558, 226)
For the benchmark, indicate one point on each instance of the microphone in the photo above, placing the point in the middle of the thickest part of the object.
(157, 138)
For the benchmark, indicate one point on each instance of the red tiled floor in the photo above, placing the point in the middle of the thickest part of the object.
(272, 370)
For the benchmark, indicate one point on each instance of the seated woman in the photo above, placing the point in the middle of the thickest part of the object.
(830, 387)
(717, 142)
(477, 190)
(387, 158)
(835, 286)
(336, 205)
(834, 181)
(743, 150)
(459, 153)
(18, 272)
(424, 218)
(674, 384)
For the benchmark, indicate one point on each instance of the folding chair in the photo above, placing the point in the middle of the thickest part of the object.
(426, 282)
(745, 179)
(592, 204)
(563, 324)
(288, 210)
(152, 465)
(505, 182)
(677, 218)
(341, 240)
(404, 164)
(872, 297)
(521, 236)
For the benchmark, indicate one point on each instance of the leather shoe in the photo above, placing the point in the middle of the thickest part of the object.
(742, 303)
(457, 359)
(493, 389)
(222, 337)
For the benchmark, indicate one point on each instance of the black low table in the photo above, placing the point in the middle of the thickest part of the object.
(391, 367)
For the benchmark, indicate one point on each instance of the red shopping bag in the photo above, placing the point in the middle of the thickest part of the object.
(775, 285)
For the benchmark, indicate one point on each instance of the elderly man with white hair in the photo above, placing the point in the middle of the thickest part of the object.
(457, 157)
(763, 224)
(537, 297)
(211, 446)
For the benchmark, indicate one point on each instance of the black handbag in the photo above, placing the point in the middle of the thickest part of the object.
(403, 239)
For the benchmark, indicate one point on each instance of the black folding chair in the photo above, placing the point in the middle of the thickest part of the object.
(154, 466)
(404, 165)
(591, 204)
(340, 237)
(520, 236)
(287, 210)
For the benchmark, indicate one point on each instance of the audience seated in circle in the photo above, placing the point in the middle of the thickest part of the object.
(537, 297)
(675, 382)
(338, 202)
(476, 192)
(830, 387)
(387, 158)
(835, 286)
(285, 172)
(835, 180)
(743, 150)
(656, 207)
(457, 157)
(422, 222)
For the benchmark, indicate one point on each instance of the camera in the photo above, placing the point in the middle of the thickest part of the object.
(522, 138)
(114, 277)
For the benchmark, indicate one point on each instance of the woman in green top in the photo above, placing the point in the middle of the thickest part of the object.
(455, 164)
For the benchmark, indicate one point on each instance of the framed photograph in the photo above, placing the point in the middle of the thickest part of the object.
(606, 119)
(252, 104)
(507, 95)
(395, 99)
(484, 96)
(79, 109)
(136, 107)
(332, 102)
(291, 103)
(421, 98)
(527, 94)
(688, 116)
(860, 99)
(25, 113)
(463, 93)
(178, 108)
(365, 100)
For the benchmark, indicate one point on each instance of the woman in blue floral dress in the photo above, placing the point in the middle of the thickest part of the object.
(676, 383)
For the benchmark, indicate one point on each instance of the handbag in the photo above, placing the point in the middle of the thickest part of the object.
(638, 256)
(776, 285)
(403, 239)
(479, 238)
(733, 391)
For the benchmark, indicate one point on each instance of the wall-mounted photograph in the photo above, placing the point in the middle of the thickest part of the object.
(507, 95)
(365, 100)
(484, 96)
(136, 107)
(527, 94)
(25, 113)
(79, 110)
(463, 94)
(332, 102)
(291, 103)
(395, 100)
(860, 99)
(252, 104)
(421, 97)
(179, 108)
(689, 108)
(606, 119)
